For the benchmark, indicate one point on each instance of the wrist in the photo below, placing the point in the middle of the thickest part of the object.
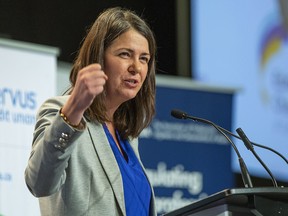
(65, 118)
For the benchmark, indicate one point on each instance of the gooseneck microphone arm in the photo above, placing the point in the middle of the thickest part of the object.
(244, 171)
(249, 146)
(256, 144)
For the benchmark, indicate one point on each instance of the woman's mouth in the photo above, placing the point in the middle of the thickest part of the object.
(131, 82)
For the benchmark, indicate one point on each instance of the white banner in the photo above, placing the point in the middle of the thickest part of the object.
(28, 77)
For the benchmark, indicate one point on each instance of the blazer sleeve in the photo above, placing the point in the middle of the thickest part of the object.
(45, 173)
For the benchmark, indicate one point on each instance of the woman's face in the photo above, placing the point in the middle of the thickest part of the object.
(126, 65)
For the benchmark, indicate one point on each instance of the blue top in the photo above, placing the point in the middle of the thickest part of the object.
(137, 191)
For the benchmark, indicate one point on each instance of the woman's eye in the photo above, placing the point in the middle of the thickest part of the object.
(144, 59)
(124, 54)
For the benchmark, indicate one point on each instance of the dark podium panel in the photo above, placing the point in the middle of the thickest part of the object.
(262, 201)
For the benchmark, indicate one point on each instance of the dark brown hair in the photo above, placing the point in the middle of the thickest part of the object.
(133, 115)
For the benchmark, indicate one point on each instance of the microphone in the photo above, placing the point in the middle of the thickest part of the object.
(250, 147)
(244, 171)
(256, 144)
(179, 114)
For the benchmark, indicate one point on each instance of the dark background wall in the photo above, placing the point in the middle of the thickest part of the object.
(64, 23)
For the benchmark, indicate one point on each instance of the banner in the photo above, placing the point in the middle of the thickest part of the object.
(28, 74)
(187, 160)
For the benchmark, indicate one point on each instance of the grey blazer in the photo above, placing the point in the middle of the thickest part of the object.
(84, 179)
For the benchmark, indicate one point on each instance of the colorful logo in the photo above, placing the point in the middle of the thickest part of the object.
(274, 63)
(272, 41)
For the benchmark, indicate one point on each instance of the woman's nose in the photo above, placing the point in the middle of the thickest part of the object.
(135, 67)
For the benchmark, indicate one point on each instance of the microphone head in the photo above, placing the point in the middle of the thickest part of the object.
(178, 114)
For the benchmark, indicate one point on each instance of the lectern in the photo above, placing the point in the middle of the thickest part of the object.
(262, 201)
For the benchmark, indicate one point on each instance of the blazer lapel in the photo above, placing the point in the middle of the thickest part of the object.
(108, 161)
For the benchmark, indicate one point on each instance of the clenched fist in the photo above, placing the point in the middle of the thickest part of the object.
(90, 83)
